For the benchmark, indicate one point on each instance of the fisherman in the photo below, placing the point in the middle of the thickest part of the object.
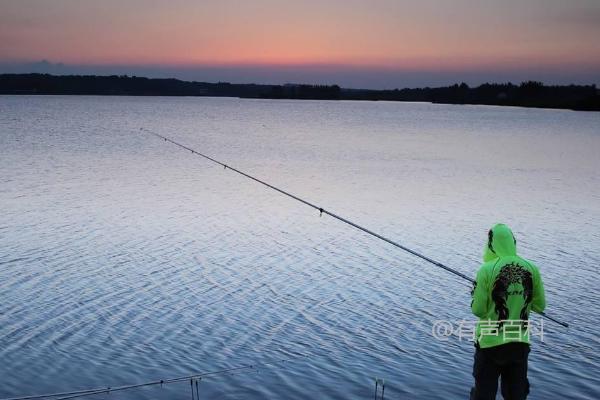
(507, 287)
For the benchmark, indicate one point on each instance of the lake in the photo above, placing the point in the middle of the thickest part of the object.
(125, 259)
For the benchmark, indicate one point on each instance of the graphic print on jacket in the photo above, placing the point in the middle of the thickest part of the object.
(506, 289)
(509, 275)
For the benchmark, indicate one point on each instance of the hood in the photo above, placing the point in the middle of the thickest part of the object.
(501, 243)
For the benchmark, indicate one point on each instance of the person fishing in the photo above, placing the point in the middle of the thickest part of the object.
(506, 289)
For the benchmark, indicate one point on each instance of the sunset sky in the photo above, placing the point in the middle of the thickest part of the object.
(367, 43)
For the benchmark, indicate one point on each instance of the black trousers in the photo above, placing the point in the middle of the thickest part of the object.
(508, 362)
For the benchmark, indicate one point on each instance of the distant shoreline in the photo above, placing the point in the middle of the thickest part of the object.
(527, 94)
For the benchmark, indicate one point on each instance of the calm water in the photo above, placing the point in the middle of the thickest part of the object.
(125, 259)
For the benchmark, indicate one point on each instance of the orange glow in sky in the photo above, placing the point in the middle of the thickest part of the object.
(387, 34)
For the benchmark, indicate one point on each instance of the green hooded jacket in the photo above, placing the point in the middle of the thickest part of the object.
(506, 289)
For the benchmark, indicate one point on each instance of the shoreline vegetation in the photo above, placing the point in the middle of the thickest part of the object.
(526, 94)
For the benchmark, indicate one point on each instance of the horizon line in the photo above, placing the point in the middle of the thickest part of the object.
(374, 77)
(456, 83)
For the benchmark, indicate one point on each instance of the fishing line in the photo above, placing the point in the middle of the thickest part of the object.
(333, 215)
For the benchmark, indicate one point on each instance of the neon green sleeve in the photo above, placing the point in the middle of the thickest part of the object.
(479, 294)
(538, 303)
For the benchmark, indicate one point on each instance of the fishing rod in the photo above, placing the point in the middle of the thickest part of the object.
(331, 214)
(192, 378)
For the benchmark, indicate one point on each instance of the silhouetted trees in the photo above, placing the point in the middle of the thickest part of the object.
(527, 94)
(316, 92)
(137, 86)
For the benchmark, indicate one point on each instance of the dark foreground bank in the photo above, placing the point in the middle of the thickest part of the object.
(527, 94)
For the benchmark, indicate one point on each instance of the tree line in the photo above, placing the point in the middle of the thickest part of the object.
(526, 94)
